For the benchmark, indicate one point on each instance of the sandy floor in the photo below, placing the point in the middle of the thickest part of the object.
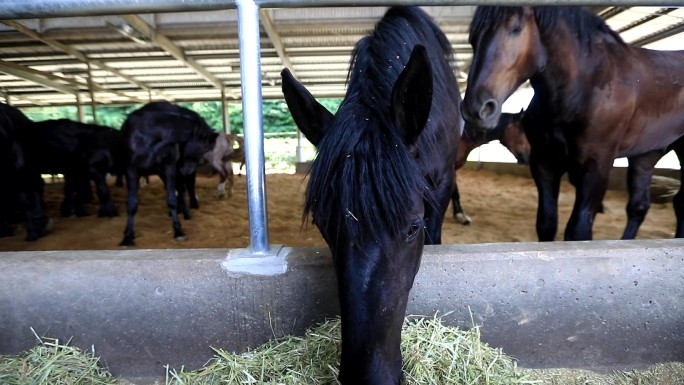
(503, 208)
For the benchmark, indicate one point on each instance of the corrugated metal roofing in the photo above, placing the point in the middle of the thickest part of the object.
(133, 58)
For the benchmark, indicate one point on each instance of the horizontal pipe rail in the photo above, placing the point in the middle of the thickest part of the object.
(26, 9)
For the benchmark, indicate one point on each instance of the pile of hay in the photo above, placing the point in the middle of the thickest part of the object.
(53, 363)
(433, 354)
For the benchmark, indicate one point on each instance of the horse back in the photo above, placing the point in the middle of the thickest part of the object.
(656, 81)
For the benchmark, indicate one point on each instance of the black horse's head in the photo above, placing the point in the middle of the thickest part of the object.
(366, 195)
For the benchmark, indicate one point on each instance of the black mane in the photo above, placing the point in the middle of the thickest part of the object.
(584, 23)
(362, 164)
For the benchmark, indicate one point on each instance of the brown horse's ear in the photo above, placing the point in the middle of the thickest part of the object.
(412, 96)
(309, 115)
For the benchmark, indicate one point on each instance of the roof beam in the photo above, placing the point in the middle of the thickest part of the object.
(646, 19)
(165, 43)
(277, 42)
(43, 78)
(660, 35)
(52, 81)
(71, 51)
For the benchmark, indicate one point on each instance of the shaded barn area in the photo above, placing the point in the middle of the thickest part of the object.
(501, 205)
(604, 304)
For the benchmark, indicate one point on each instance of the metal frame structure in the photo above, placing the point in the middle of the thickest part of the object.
(249, 12)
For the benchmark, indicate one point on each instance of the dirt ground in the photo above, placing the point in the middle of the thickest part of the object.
(503, 209)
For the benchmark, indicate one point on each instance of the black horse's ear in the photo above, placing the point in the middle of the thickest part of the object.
(412, 96)
(309, 115)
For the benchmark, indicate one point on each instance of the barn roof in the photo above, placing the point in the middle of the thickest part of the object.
(191, 56)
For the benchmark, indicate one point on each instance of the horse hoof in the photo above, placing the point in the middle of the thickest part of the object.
(82, 214)
(107, 214)
(127, 241)
(463, 219)
(181, 238)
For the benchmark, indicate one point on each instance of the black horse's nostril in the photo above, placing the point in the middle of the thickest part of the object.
(489, 109)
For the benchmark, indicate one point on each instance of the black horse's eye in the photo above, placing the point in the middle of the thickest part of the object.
(416, 227)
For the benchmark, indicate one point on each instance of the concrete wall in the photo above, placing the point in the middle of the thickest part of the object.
(575, 304)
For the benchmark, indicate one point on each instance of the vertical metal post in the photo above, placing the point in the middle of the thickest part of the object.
(250, 72)
(79, 108)
(300, 155)
(93, 105)
(224, 112)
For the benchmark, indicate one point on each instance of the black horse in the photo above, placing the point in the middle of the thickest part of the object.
(381, 183)
(21, 185)
(81, 152)
(168, 140)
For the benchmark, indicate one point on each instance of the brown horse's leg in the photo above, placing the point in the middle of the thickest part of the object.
(678, 200)
(639, 174)
(547, 169)
(459, 215)
(591, 182)
(434, 215)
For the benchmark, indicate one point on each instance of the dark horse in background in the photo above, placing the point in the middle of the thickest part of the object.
(21, 185)
(381, 183)
(167, 140)
(508, 131)
(596, 98)
(81, 152)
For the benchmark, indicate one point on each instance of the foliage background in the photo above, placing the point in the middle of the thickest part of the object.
(276, 115)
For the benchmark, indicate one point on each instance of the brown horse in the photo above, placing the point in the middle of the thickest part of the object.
(596, 99)
(508, 131)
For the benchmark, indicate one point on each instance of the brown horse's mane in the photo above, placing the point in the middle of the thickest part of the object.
(586, 24)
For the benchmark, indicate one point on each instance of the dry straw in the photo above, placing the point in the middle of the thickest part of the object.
(53, 363)
(433, 354)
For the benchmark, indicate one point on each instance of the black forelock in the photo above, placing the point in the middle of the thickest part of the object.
(363, 177)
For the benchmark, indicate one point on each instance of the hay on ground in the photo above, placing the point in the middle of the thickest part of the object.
(433, 354)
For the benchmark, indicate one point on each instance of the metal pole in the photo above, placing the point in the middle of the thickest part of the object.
(93, 105)
(79, 108)
(300, 155)
(224, 112)
(250, 72)
(30, 9)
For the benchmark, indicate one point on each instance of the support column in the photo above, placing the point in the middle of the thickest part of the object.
(93, 105)
(225, 112)
(250, 71)
(79, 108)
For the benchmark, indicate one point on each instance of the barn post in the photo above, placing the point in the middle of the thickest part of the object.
(79, 108)
(225, 114)
(250, 73)
(93, 105)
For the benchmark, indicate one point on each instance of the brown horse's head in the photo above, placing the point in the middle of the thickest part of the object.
(514, 139)
(507, 51)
